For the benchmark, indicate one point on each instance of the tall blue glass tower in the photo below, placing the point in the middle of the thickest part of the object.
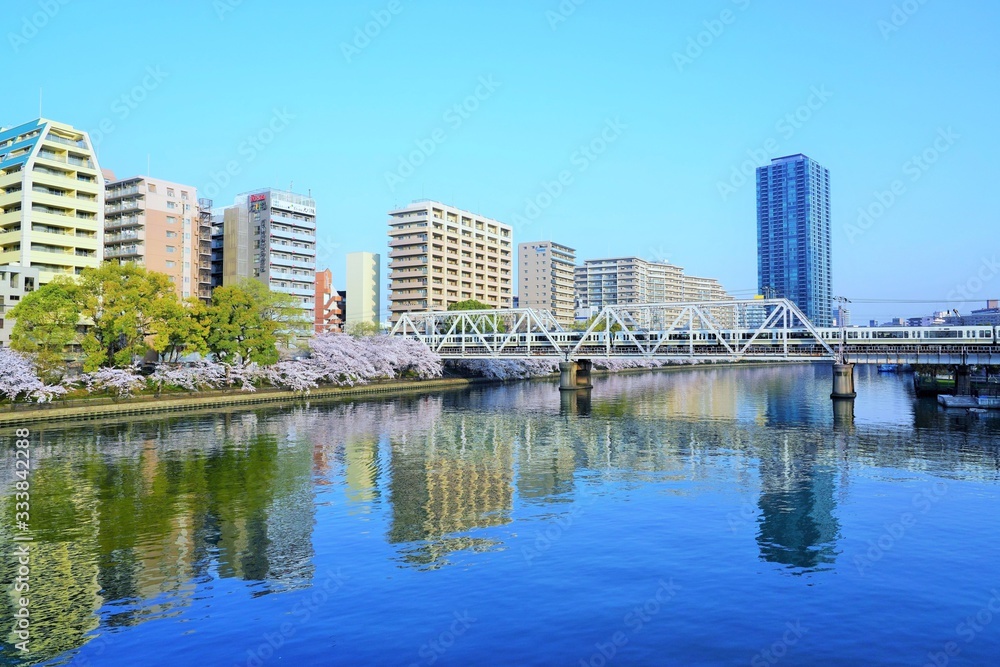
(793, 235)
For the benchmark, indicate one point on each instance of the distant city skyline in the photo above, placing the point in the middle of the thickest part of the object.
(647, 148)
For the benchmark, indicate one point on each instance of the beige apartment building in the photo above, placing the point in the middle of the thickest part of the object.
(51, 199)
(440, 255)
(364, 288)
(632, 280)
(545, 279)
(157, 224)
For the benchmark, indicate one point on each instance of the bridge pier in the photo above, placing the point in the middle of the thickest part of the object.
(963, 381)
(843, 381)
(575, 375)
(567, 376)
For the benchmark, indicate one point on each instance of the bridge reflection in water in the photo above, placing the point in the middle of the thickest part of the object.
(133, 517)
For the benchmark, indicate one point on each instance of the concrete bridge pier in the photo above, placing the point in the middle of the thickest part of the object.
(843, 381)
(583, 368)
(963, 381)
(575, 375)
(567, 376)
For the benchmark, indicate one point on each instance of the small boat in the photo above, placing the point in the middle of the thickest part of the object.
(888, 368)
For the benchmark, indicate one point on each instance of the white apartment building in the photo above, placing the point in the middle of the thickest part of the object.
(632, 280)
(269, 235)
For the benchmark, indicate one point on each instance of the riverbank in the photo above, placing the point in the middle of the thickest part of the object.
(102, 408)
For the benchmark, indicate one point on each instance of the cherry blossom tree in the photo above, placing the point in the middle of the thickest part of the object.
(509, 369)
(123, 382)
(19, 378)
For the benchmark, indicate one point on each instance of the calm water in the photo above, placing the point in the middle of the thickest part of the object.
(708, 516)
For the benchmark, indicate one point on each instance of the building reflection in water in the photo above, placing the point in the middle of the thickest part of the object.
(133, 517)
(796, 525)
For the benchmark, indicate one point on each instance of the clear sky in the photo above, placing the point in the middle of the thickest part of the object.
(674, 98)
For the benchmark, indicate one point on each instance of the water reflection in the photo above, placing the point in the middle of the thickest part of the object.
(131, 518)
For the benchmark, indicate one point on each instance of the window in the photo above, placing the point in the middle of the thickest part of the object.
(184, 195)
(171, 248)
(171, 264)
(170, 192)
(151, 187)
(171, 205)
(171, 235)
(171, 220)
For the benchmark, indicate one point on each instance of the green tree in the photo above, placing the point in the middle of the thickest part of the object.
(185, 328)
(246, 321)
(128, 307)
(46, 323)
(583, 326)
(491, 321)
(361, 329)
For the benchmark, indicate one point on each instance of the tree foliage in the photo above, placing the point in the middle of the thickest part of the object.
(127, 308)
(240, 325)
(46, 323)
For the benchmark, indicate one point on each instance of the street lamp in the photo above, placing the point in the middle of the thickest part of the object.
(843, 326)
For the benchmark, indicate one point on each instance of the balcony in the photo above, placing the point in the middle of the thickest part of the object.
(124, 251)
(122, 206)
(130, 235)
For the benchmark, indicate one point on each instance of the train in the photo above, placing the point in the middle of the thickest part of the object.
(708, 341)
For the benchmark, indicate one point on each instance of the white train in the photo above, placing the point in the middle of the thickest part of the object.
(705, 341)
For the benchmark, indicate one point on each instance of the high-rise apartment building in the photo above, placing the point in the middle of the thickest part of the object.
(793, 235)
(364, 286)
(545, 279)
(632, 280)
(440, 255)
(51, 199)
(269, 235)
(156, 224)
(329, 317)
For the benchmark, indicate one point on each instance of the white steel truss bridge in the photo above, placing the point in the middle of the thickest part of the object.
(754, 329)
(713, 330)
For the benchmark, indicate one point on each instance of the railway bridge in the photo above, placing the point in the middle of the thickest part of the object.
(755, 329)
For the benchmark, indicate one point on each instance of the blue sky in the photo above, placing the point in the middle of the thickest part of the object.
(684, 94)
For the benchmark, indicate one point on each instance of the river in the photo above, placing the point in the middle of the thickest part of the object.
(695, 517)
